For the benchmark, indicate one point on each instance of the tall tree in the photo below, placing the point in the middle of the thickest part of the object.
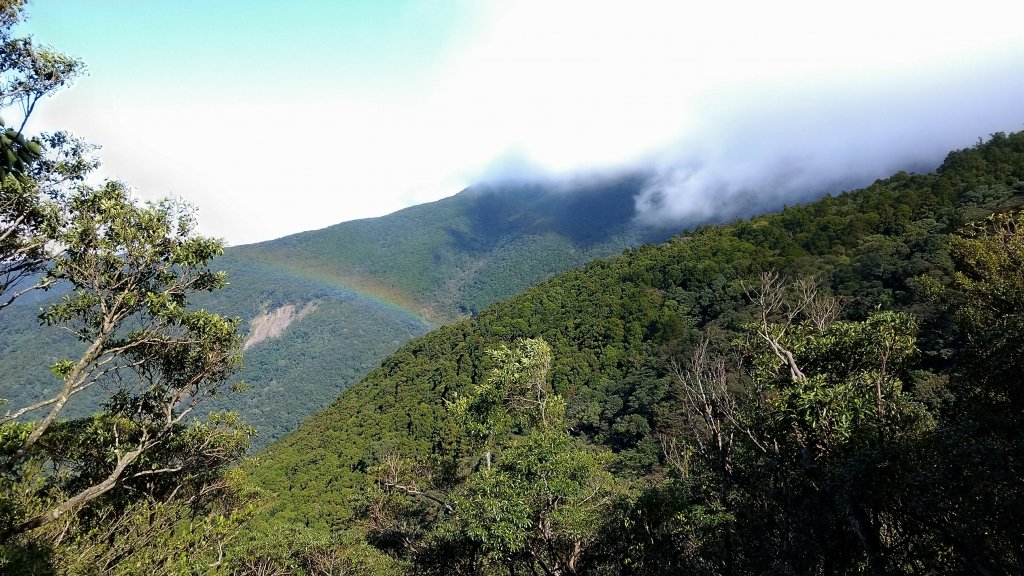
(127, 270)
(30, 191)
(130, 270)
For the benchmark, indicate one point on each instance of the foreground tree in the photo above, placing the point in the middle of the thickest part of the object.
(103, 490)
(32, 170)
(129, 270)
(786, 466)
(832, 412)
(971, 468)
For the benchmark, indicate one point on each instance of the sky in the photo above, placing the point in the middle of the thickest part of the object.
(276, 117)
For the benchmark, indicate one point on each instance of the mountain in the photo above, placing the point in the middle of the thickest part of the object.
(621, 331)
(321, 308)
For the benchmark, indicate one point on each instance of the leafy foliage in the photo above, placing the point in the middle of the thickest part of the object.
(130, 269)
(821, 429)
(531, 498)
(107, 492)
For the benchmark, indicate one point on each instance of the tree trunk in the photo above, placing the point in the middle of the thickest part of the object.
(868, 536)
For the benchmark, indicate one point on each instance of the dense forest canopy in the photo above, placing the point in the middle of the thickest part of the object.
(826, 390)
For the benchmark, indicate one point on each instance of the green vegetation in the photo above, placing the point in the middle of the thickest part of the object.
(859, 417)
(379, 282)
(142, 479)
(520, 491)
(832, 389)
(375, 284)
(128, 271)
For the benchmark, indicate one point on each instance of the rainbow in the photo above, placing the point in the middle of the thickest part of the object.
(365, 289)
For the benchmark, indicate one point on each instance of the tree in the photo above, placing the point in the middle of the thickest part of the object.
(987, 296)
(30, 72)
(130, 270)
(831, 412)
(515, 397)
(535, 498)
(972, 464)
(31, 186)
(127, 271)
(784, 465)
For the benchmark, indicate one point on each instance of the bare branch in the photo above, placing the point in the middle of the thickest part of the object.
(392, 479)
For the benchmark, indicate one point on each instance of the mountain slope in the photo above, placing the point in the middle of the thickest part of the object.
(442, 256)
(368, 286)
(616, 326)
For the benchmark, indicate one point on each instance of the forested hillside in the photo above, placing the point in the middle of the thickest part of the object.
(834, 388)
(376, 283)
(830, 389)
(370, 286)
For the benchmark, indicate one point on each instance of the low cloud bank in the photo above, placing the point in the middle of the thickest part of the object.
(755, 148)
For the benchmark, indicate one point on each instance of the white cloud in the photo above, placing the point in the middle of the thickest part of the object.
(730, 89)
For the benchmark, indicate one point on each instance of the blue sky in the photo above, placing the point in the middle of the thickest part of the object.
(275, 117)
(137, 46)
